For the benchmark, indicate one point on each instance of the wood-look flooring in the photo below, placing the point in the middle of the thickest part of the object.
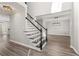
(56, 46)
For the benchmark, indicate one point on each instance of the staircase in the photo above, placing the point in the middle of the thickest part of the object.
(36, 33)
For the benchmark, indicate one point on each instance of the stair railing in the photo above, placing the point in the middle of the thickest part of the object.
(39, 25)
(40, 30)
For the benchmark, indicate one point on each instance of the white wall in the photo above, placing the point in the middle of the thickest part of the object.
(39, 8)
(17, 25)
(56, 7)
(62, 28)
(66, 5)
(4, 17)
(75, 27)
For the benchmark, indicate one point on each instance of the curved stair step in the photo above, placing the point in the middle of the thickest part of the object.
(43, 42)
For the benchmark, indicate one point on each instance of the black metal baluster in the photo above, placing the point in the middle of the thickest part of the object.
(41, 39)
(46, 36)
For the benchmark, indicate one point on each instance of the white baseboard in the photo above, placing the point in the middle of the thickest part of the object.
(25, 45)
(74, 49)
(58, 35)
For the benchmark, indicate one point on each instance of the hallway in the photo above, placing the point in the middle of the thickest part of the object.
(57, 46)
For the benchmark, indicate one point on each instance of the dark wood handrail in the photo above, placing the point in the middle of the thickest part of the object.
(39, 24)
(35, 20)
(33, 23)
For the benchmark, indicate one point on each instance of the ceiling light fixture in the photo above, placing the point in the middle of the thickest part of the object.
(7, 8)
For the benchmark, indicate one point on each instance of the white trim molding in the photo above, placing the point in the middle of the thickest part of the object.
(74, 49)
(25, 45)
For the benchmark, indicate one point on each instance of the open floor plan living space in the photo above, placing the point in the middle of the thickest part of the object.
(39, 28)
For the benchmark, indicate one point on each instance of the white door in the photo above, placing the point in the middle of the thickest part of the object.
(3, 35)
(5, 30)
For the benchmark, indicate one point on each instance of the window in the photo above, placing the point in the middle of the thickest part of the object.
(56, 7)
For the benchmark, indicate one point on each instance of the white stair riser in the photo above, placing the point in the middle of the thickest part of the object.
(38, 43)
(35, 35)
